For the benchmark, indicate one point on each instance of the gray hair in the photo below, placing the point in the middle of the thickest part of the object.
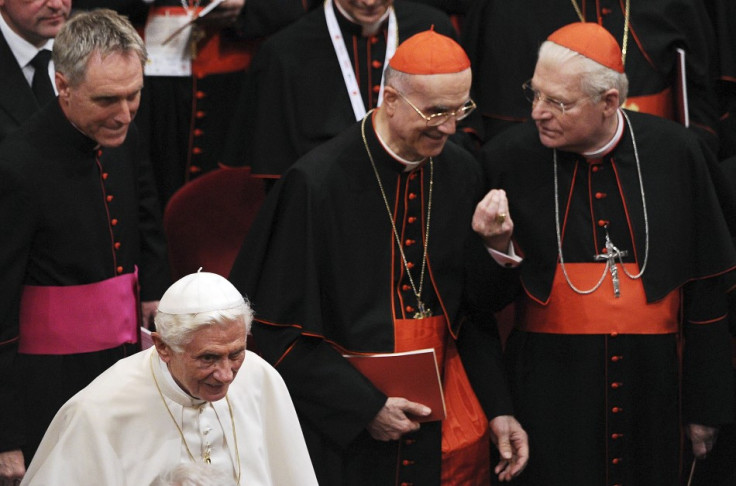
(396, 79)
(194, 474)
(176, 330)
(101, 31)
(595, 78)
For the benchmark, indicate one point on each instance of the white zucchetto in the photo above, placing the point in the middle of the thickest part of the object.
(200, 292)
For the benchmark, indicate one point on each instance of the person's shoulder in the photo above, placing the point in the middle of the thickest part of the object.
(326, 156)
(257, 374)
(657, 131)
(299, 47)
(122, 378)
(520, 136)
(19, 152)
(302, 32)
(458, 153)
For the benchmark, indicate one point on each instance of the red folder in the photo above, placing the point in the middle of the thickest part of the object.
(413, 375)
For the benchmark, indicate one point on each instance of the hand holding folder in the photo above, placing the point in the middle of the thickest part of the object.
(413, 375)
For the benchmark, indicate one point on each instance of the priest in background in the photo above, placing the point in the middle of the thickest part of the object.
(197, 396)
(317, 77)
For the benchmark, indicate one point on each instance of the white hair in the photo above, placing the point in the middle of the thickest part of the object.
(176, 330)
(595, 78)
(194, 474)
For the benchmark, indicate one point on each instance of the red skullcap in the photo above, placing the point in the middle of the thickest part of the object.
(592, 41)
(429, 53)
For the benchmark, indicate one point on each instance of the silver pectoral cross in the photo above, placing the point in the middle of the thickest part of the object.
(610, 257)
(423, 311)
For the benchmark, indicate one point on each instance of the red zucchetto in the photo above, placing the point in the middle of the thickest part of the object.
(429, 53)
(592, 41)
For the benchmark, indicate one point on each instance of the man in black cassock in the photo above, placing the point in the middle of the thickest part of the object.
(502, 39)
(296, 96)
(80, 213)
(365, 246)
(621, 330)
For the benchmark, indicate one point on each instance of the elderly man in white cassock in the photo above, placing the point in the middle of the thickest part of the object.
(196, 396)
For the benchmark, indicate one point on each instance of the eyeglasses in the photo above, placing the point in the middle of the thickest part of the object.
(533, 96)
(437, 119)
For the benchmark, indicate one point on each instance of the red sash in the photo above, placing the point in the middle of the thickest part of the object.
(465, 434)
(568, 312)
(79, 318)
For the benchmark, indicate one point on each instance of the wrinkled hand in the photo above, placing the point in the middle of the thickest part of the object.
(392, 421)
(12, 468)
(703, 439)
(223, 15)
(492, 220)
(513, 445)
(148, 312)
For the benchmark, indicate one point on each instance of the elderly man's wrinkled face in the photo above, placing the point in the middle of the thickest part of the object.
(365, 12)
(207, 366)
(578, 127)
(104, 103)
(35, 20)
(409, 135)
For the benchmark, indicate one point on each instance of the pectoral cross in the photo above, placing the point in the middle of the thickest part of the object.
(196, 35)
(610, 256)
(422, 312)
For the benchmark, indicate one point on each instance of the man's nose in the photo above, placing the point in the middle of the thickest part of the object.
(449, 126)
(224, 371)
(540, 111)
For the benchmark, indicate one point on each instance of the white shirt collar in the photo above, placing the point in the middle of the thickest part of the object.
(597, 154)
(371, 29)
(170, 388)
(409, 164)
(23, 50)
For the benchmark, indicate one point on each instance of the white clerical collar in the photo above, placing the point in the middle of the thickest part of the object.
(23, 50)
(171, 389)
(343, 58)
(597, 154)
(370, 29)
(409, 164)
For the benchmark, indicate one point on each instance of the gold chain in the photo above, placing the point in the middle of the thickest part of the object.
(181, 433)
(625, 40)
(422, 312)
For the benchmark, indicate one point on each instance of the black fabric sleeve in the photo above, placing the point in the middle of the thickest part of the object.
(707, 388)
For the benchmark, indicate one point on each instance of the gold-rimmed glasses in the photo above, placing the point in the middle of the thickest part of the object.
(437, 119)
(557, 106)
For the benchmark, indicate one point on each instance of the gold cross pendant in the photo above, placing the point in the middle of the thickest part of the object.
(422, 312)
(196, 35)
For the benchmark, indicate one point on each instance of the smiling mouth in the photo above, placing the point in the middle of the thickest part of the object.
(542, 129)
(435, 136)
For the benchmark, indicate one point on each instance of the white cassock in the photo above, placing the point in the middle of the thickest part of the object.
(133, 422)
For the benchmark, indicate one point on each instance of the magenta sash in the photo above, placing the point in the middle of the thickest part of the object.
(79, 318)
